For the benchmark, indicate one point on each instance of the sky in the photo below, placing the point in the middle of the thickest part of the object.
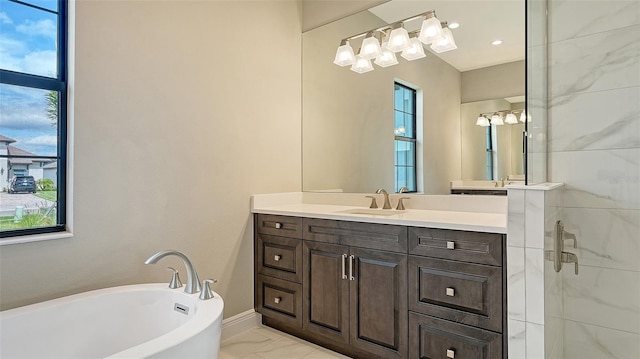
(27, 44)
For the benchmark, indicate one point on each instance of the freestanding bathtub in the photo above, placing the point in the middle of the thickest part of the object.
(135, 321)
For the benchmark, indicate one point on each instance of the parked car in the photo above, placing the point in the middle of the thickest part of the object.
(22, 184)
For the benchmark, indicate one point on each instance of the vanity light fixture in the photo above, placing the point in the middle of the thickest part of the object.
(344, 55)
(431, 29)
(370, 48)
(523, 117)
(499, 118)
(361, 65)
(397, 39)
(445, 42)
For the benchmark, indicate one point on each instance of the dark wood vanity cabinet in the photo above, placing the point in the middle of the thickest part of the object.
(381, 291)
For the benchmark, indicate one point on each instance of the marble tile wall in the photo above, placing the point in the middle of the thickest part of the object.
(594, 148)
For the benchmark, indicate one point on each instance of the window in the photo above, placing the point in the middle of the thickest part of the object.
(489, 149)
(33, 116)
(405, 137)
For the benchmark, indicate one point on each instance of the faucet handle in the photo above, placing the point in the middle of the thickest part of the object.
(206, 292)
(374, 204)
(175, 279)
(400, 205)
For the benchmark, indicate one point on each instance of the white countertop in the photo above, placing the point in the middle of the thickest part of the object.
(473, 213)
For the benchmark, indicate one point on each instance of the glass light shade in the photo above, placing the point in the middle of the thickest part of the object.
(362, 65)
(511, 119)
(398, 40)
(445, 43)
(386, 58)
(483, 121)
(431, 29)
(415, 51)
(497, 120)
(523, 117)
(370, 48)
(345, 55)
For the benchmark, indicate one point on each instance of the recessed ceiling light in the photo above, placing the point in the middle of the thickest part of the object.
(454, 25)
(496, 42)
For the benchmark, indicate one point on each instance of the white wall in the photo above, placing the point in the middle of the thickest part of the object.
(594, 145)
(177, 123)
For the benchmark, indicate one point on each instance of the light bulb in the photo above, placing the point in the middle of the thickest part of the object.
(370, 47)
(445, 43)
(415, 51)
(483, 121)
(431, 29)
(497, 120)
(511, 119)
(362, 65)
(344, 55)
(386, 57)
(398, 39)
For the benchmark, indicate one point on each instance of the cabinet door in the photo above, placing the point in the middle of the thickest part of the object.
(378, 296)
(326, 292)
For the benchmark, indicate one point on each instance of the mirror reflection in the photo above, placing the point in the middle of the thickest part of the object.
(413, 124)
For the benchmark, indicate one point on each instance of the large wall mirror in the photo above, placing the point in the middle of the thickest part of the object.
(350, 120)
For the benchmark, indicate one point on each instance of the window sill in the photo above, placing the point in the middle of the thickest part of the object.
(35, 238)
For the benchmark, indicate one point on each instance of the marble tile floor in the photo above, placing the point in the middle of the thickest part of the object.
(267, 343)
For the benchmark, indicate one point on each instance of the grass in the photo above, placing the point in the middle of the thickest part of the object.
(48, 195)
(28, 221)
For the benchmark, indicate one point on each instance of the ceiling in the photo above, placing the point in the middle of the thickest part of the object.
(481, 22)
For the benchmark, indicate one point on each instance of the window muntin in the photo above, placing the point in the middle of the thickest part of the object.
(33, 113)
(405, 137)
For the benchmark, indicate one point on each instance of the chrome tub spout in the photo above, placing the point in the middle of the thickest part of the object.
(193, 282)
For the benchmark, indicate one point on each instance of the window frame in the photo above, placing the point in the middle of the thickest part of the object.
(60, 84)
(413, 139)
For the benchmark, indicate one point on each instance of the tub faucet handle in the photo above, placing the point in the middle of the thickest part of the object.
(175, 279)
(206, 292)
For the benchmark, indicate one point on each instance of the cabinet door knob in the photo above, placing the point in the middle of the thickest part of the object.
(451, 353)
(278, 225)
(277, 258)
(451, 245)
(450, 292)
(277, 300)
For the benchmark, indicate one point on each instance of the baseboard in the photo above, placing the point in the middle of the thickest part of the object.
(239, 323)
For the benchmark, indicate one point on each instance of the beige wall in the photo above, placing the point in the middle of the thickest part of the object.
(176, 125)
(316, 13)
(493, 82)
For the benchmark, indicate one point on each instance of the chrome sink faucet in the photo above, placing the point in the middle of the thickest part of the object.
(387, 204)
(193, 282)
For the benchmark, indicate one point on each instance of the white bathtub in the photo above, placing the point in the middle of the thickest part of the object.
(135, 321)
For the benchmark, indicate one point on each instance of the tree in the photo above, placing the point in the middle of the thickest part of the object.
(52, 107)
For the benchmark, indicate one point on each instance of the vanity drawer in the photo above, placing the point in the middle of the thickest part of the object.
(431, 337)
(280, 300)
(280, 257)
(474, 247)
(366, 235)
(283, 226)
(462, 292)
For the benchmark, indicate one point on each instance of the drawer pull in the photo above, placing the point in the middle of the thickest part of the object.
(277, 300)
(278, 225)
(277, 258)
(451, 353)
(450, 292)
(451, 245)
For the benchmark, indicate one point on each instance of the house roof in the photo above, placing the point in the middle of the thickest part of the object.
(15, 151)
(51, 165)
(6, 139)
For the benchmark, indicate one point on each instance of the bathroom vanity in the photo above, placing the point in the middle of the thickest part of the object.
(382, 284)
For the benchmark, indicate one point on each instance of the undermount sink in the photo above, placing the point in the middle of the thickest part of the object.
(372, 211)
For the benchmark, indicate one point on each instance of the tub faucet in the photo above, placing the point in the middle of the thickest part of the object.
(193, 282)
(387, 204)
